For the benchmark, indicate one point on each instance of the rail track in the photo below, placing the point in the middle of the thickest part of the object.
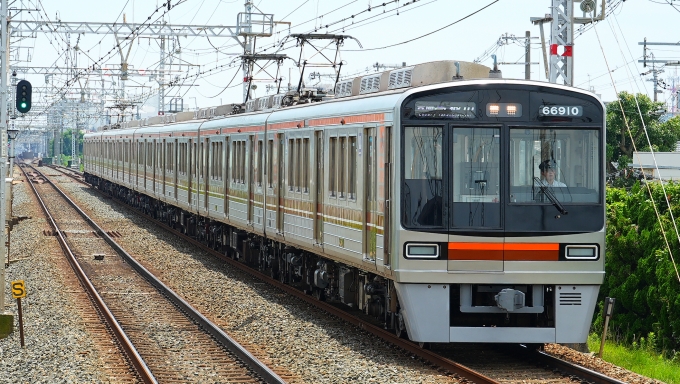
(483, 363)
(163, 338)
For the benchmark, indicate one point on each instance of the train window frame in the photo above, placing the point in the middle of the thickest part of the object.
(291, 165)
(242, 168)
(260, 161)
(342, 169)
(332, 180)
(352, 167)
(562, 161)
(305, 165)
(234, 161)
(270, 163)
(298, 165)
(422, 175)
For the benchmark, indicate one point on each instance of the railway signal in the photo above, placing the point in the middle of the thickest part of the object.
(24, 89)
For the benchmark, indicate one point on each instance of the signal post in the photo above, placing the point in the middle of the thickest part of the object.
(6, 320)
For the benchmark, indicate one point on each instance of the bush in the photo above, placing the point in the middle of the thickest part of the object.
(640, 273)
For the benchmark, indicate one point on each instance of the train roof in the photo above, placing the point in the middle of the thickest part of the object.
(369, 94)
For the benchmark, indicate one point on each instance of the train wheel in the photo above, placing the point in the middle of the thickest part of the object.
(399, 326)
(319, 294)
(282, 271)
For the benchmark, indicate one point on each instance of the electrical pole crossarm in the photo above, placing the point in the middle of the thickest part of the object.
(124, 29)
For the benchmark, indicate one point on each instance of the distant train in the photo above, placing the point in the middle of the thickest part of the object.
(446, 204)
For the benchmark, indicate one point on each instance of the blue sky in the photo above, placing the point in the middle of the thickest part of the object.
(616, 38)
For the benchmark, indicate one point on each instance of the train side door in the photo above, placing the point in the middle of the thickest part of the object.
(226, 175)
(370, 181)
(206, 169)
(387, 178)
(474, 191)
(190, 170)
(280, 190)
(164, 165)
(319, 188)
(251, 179)
(176, 161)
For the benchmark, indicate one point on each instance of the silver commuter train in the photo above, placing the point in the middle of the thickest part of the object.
(418, 196)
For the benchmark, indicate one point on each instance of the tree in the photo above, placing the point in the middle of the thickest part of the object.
(662, 136)
(66, 140)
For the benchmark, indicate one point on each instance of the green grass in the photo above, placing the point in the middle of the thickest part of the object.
(637, 359)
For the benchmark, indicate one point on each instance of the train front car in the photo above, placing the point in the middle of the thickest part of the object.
(500, 212)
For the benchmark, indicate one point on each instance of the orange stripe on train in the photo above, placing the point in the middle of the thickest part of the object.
(504, 251)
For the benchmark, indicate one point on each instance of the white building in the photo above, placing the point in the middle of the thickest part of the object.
(668, 164)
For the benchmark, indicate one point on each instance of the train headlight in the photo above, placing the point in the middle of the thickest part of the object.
(581, 252)
(494, 109)
(422, 251)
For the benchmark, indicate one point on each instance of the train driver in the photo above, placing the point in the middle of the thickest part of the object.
(548, 175)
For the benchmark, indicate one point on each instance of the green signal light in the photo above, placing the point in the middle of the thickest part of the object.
(23, 105)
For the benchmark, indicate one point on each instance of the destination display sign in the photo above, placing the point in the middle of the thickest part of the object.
(560, 110)
(446, 110)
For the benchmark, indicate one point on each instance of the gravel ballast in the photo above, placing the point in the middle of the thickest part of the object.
(314, 346)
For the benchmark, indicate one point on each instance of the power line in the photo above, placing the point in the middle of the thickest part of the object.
(427, 34)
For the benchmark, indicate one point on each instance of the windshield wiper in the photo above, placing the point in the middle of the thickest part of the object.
(551, 196)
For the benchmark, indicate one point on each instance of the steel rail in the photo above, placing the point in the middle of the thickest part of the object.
(406, 345)
(562, 365)
(223, 338)
(573, 369)
(133, 356)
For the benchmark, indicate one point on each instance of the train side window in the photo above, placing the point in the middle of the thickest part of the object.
(332, 150)
(233, 161)
(221, 158)
(298, 165)
(352, 168)
(270, 164)
(237, 161)
(341, 168)
(305, 165)
(195, 160)
(291, 166)
(243, 162)
(260, 160)
(423, 197)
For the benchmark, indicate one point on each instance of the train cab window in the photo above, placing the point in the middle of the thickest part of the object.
(562, 163)
(422, 189)
(476, 178)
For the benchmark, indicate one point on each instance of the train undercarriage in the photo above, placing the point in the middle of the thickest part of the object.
(328, 280)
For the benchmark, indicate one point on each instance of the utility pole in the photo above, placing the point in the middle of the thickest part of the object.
(649, 59)
(161, 80)
(527, 56)
(248, 47)
(540, 21)
(527, 52)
